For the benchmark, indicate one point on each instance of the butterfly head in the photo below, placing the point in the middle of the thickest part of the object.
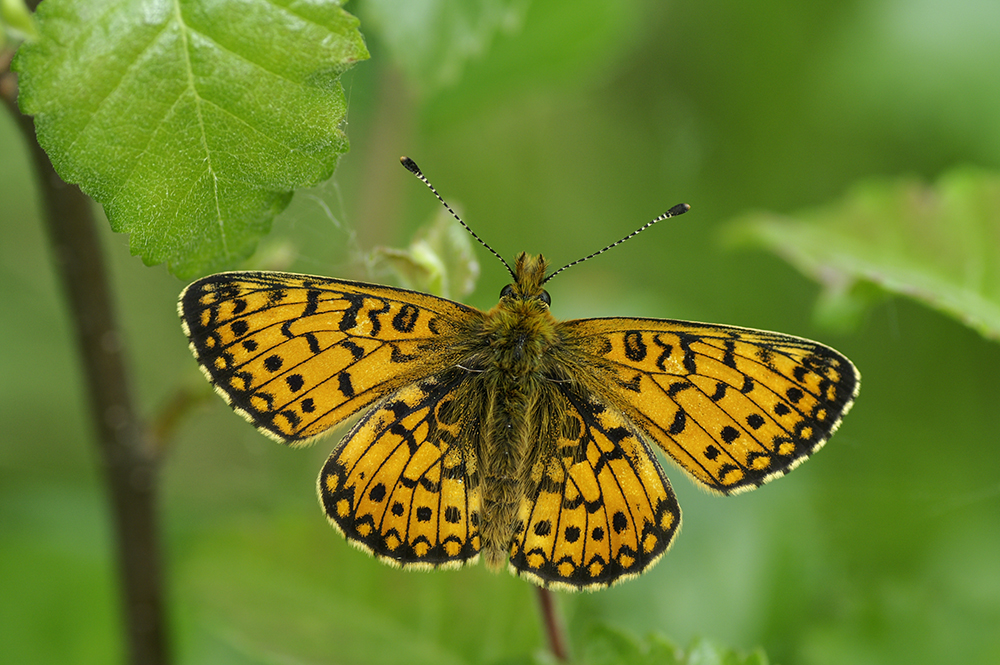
(529, 275)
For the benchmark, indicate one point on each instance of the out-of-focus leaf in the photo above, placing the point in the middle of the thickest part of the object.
(604, 645)
(190, 121)
(431, 40)
(938, 244)
(440, 260)
(16, 19)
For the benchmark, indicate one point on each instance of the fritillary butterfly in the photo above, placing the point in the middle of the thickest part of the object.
(509, 433)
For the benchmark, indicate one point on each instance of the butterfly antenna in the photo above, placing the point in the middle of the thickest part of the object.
(678, 209)
(412, 167)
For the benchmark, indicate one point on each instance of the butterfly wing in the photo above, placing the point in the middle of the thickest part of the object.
(398, 485)
(734, 407)
(603, 510)
(296, 355)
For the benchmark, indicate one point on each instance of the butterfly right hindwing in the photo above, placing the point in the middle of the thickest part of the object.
(398, 485)
(603, 510)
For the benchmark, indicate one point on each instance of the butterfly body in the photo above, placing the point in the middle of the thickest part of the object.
(514, 371)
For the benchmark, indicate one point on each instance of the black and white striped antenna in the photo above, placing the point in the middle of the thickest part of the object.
(412, 167)
(678, 209)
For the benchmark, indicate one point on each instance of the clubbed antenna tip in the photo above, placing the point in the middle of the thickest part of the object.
(410, 165)
(678, 209)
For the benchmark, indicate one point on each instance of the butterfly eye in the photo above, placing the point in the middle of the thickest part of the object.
(544, 297)
(507, 291)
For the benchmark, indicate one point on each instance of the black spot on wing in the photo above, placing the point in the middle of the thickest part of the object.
(635, 346)
(344, 384)
(688, 360)
(356, 351)
(349, 319)
(373, 317)
(665, 351)
(406, 318)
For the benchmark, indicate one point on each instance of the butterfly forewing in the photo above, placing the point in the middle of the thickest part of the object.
(398, 485)
(734, 407)
(296, 354)
(602, 511)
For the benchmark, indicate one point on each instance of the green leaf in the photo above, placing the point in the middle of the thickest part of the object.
(431, 40)
(939, 245)
(190, 121)
(604, 645)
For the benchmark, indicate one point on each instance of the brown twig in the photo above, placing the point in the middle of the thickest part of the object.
(553, 626)
(163, 425)
(130, 465)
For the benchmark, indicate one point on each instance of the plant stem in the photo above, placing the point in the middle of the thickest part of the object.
(126, 452)
(553, 626)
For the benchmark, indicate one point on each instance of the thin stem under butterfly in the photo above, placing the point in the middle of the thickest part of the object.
(553, 625)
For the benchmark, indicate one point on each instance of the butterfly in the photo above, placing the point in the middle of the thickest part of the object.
(509, 434)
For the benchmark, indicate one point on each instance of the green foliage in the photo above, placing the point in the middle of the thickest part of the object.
(440, 260)
(562, 131)
(494, 45)
(431, 40)
(16, 22)
(605, 645)
(939, 245)
(191, 122)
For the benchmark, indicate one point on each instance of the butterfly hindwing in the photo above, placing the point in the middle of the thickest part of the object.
(603, 510)
(398, 485)
(733, 407)
(296, 354)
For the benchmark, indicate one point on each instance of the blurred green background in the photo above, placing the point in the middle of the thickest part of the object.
(569, 126)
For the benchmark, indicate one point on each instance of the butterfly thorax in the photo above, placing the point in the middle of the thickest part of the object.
(520, 329)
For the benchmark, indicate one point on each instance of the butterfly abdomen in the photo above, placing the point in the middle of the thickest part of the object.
(509, 447)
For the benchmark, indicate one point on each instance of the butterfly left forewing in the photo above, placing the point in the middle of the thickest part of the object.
(297, 354)
(734, 407)
(398, 485)
(602, 510)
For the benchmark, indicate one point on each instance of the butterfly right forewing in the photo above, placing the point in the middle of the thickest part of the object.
(297, 354)
(734, 407)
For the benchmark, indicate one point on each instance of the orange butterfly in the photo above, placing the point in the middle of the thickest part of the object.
(509, 433)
